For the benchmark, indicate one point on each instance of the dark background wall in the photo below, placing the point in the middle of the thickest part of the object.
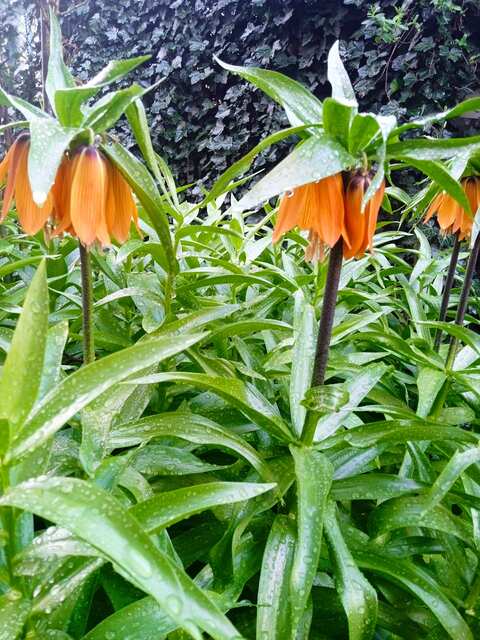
(405, 57)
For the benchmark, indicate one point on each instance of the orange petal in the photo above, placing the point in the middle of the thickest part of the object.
(13, 157)
(32, 218)
(61, 196)
(355, 221)
(373, 207)
(332, 209)
(447, 212)
(121, 208)
(88, 196)
(289, 214)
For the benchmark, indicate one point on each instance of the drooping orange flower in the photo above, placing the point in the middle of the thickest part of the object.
(317, 207)
(14, 169)
(451, 216)
(360, 225)
(328, 213)
(90, 199)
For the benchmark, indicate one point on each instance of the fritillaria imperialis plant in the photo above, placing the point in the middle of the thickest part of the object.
(67, 174)
(199, 443)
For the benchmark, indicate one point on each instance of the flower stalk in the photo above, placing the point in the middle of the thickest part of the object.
(447, 289)
(87, 304)
(462, 303)
(328, 314)
(459, 320)
(324, 333)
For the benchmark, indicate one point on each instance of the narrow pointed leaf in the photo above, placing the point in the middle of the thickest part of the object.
(242, 395)
(22, 371)
(48, 142)
(58, 74)
(273, 615)
(86, 384)
(421, 584)
(313, 472)
(342, 89)
(187, 426)
(96, 517)
(167, 508)
(316, 158)
(301, 105)
(358, 597)
(304, 335)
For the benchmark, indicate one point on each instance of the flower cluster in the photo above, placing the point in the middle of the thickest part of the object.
(451, 217)
(329, 210)
(90, 199)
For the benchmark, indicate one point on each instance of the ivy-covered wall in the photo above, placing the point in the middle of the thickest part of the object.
(407, 56)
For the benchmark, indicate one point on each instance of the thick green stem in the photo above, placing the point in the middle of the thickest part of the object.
(87, 305)
(324, 333)
(447, 289)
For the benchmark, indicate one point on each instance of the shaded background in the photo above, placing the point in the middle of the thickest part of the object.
(405, 57)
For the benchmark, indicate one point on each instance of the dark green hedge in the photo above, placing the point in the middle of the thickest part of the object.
(405, 56)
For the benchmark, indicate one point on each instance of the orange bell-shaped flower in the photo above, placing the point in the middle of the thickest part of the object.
(360, 225)
(90, 198)
(317, 207)
(451, 216)
(14, 170)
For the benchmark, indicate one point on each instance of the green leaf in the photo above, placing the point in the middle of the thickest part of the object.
(342, 89)
(86, 384)
(144, 187)
(337, 118)
(58, 75)
(470, 104)
(11, 267)
(168, 508)
(358, 597)
(301, 105)
(190, 427)
(304, 336)
(373, 486)
(22, 371)
(137, 118)
(442, 177)
(243, 165)
(314, 477)
(316, 158)
(356, 389)
(14, 612)
(48, 142)
(56, 339)
(329, 398)
(144, 619)
(363, 130)
(273, 613)
(242, 395)
(29, 111)
(105, 113)
(411, 512)
(421, 584)
(96, 517)
(68, 104)
(395, 431)
(433, 149)
(116, 70)
(458, 463)
(429, 383)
